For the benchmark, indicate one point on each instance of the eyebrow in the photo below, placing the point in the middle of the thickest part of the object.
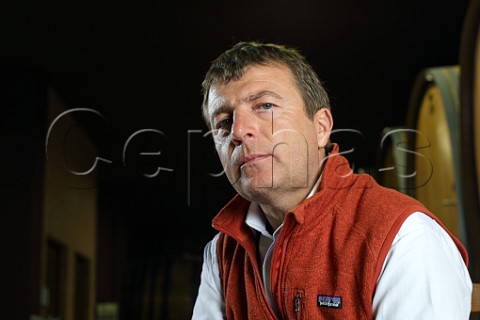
(225, 108)
(261, 94)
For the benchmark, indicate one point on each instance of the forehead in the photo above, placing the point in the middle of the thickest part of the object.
(273, 72)
(275, 77)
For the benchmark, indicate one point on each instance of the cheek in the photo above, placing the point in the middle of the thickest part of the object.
(222, 151)
(291, 140)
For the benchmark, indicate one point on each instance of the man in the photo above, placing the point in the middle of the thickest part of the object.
(305, 237)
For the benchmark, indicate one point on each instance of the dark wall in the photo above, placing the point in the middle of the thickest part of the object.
(22, 124)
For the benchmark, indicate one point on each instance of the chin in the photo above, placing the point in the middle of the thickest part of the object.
(259, 195)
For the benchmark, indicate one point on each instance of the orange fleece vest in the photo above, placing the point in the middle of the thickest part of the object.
(328, 254)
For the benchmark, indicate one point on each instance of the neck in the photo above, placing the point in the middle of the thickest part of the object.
(276, 209)
(274, 215)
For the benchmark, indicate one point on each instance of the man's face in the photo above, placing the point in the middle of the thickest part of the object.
(265, 141)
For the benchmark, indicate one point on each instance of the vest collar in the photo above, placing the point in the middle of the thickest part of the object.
(336, 174)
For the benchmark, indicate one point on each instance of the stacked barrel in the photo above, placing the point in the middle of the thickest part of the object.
(435, 157)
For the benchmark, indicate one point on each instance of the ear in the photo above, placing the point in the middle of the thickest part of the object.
(324, 122)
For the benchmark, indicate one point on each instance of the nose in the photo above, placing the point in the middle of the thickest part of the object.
(244, 126)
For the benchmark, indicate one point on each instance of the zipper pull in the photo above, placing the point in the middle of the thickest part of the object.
(298, 297)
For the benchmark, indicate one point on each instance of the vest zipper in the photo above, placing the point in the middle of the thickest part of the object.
(298, 306)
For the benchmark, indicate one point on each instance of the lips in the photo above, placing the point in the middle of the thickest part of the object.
(252, 158)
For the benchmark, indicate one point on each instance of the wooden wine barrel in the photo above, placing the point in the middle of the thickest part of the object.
(470, 131)
(392, 170)
(164, 288)
(435, 158)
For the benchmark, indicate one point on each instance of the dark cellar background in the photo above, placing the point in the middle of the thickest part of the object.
(140, 65)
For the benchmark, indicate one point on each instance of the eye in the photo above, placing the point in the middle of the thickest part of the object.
(224, 125)
(265, 106)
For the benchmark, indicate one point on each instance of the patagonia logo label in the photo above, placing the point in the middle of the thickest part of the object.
(329, 301)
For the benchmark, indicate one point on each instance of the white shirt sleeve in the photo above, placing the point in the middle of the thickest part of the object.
(209, 304)
(424, 276)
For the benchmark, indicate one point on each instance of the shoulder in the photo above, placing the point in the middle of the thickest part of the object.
(421, 242)
(210, 250)
(421, 232)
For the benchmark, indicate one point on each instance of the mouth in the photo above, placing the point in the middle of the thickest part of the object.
(252, 158)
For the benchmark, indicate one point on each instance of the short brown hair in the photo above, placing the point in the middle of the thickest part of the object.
(231, 64)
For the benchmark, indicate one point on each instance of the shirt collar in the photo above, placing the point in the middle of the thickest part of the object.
(315, 187)
(256, 219)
